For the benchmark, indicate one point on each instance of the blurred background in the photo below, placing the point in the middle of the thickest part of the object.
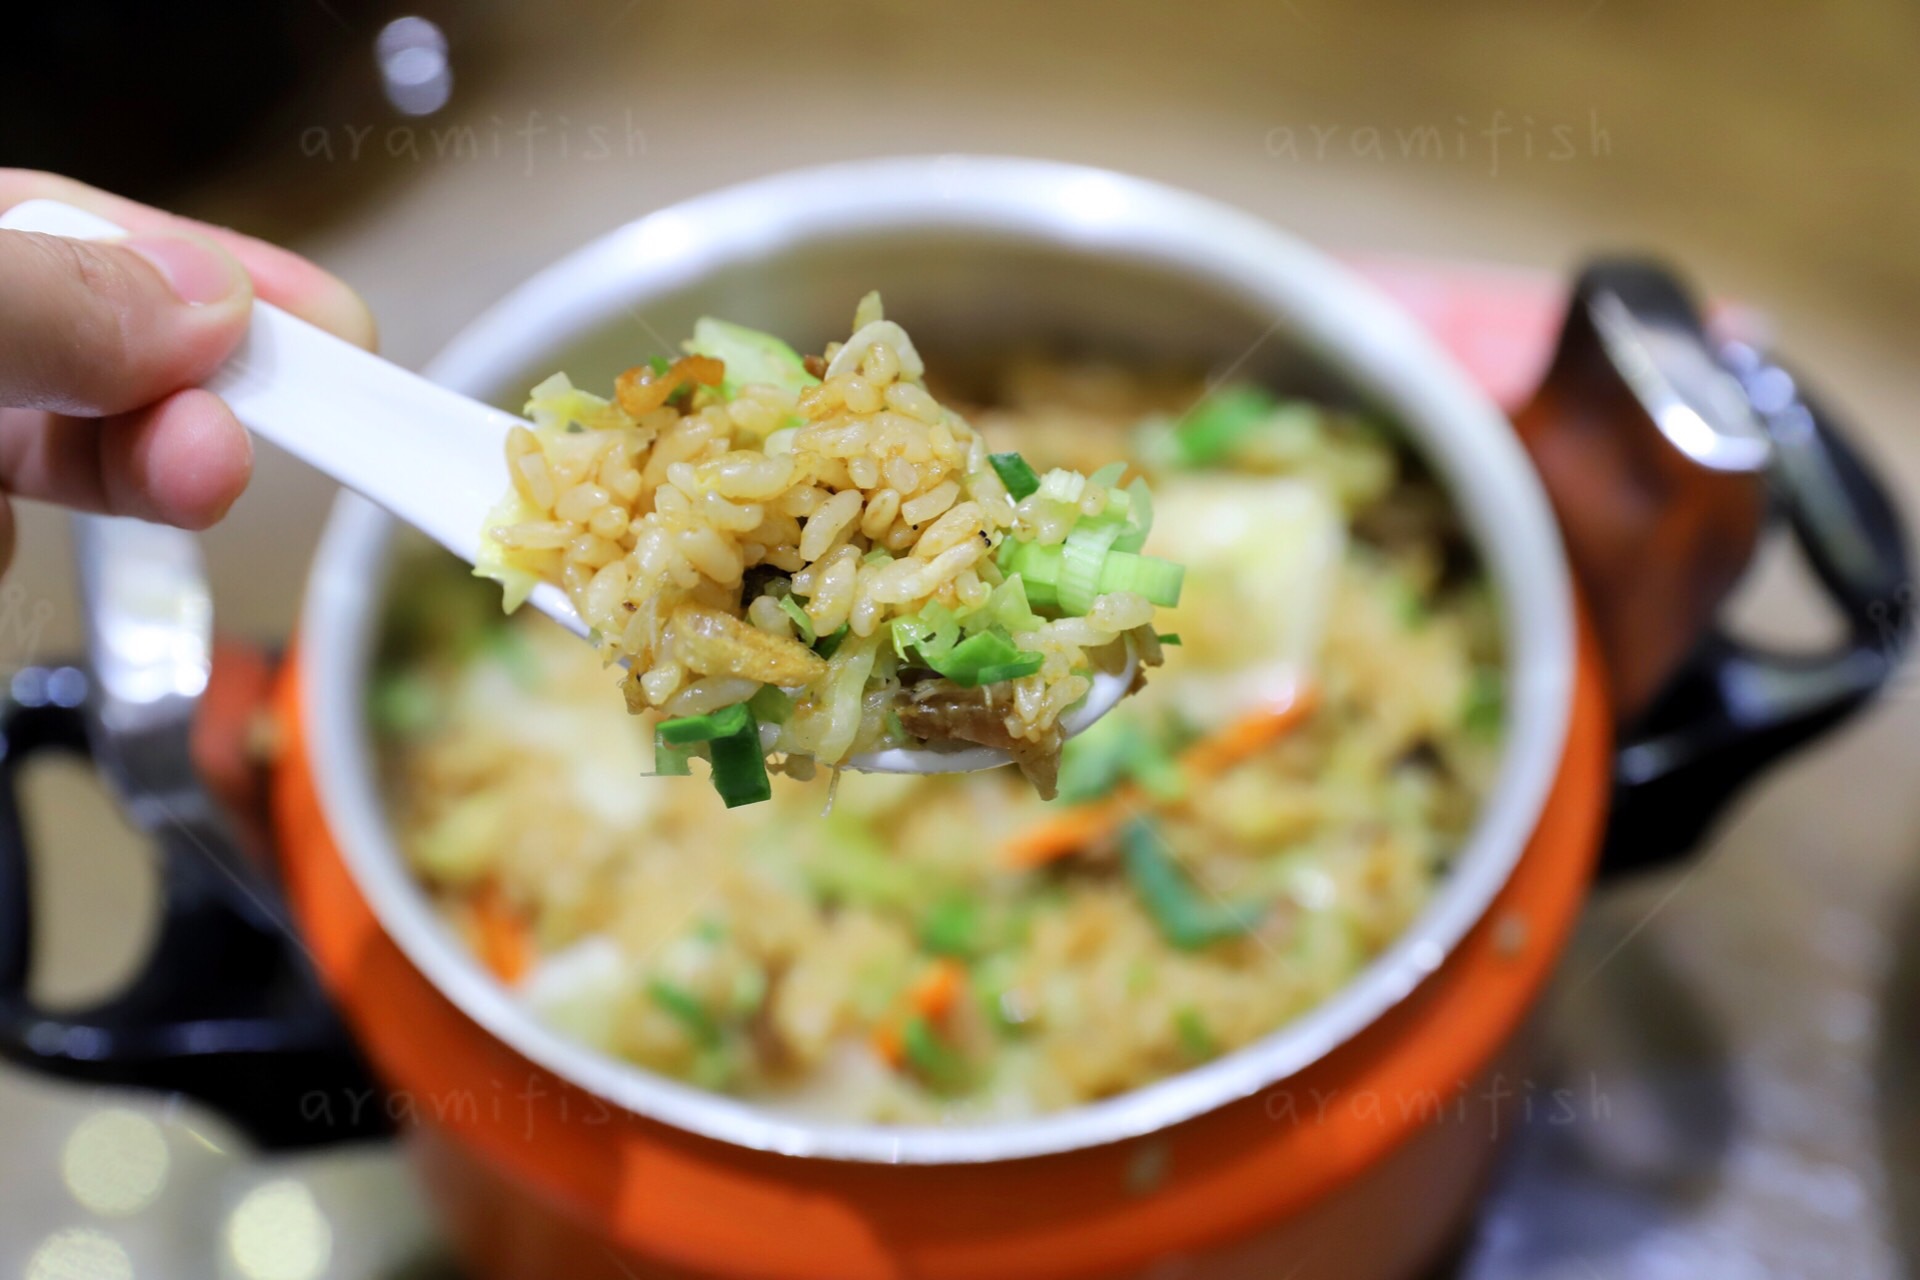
(1745, 1024)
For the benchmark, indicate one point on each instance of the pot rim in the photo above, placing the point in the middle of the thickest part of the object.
(1073, 209)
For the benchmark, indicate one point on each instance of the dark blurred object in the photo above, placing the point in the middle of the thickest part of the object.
(1666, 455)
(146, 98)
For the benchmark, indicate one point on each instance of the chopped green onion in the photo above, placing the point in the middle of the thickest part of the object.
(1208, 433)
(1015, 473)
(1027, 665)
(1194, 1036)
(1038, 566)
(686, 1010)
(1156, 579)
(879, 555)
(952, 927)
(732, 736)
(828, 645)
(932, 633)
(726, 722)
(1171, 639)
(1114, 750)
(929, 1056)
(404, 703)
(1409, 606)
(1139, 517)
(1182, 916)
(670, 761)
(987, 658)
(1083, 562)
(1485, 704)
(770, 705)
(1108, 476)
(802, 624)
(1007, 608)
(740, 767)
(1095, 762)
(659, 364)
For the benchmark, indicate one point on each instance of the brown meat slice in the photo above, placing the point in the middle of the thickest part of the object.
(942, 711)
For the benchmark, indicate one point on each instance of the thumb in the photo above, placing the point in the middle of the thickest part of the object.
(97, 328)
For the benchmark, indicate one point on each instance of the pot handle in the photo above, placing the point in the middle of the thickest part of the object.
(1666, 455)
(224, 1009)
(1734, 708)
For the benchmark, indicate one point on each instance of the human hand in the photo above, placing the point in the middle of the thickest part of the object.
(103, 346)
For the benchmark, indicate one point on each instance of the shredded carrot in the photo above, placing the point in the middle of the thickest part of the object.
(890, 1043)
(938, 989)
(505, 942)
(933, 996)
(1086, 824)
(1061, 834)
(1246, 736)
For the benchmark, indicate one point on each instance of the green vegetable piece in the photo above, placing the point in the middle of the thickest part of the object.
(686, 1010)
(1194, 1036)
(1169, 639)
(508, 646)
(670, 761)
(1114, 750)
(931, 634)
(952, 928)
(1156, 579)
(1007, 608)
(725, 722)
(659, 364)
(851, 865)
(404, 703)
(1083, 563)
(986, 658)
(740, 767)
(1139, 514)
(1409, 606)
(801, 622)
(1208, 434)
(1018, 669)
(1038, 567)
(1485, 704)
(770, 705)
(732, 736)
(828, 645)
(1015, 473)
(1095, 762)
(1183, 918)
(930, 1057)
(750, 356)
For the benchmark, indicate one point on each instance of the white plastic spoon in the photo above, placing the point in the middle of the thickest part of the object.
(431, 456)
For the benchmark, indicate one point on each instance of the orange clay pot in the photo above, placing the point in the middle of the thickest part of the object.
(1363, 1165)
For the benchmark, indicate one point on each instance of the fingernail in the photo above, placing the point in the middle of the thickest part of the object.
(199, 274)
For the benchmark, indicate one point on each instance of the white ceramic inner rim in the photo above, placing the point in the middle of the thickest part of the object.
(1357, 333)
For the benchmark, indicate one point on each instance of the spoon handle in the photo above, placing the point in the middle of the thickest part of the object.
(431, 456)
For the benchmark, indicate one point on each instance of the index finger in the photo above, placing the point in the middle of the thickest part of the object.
(283, 278)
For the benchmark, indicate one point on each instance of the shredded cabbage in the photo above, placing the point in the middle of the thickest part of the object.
(751, 357)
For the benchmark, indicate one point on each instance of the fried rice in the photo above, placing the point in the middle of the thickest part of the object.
(825, 552)
(953, 949)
